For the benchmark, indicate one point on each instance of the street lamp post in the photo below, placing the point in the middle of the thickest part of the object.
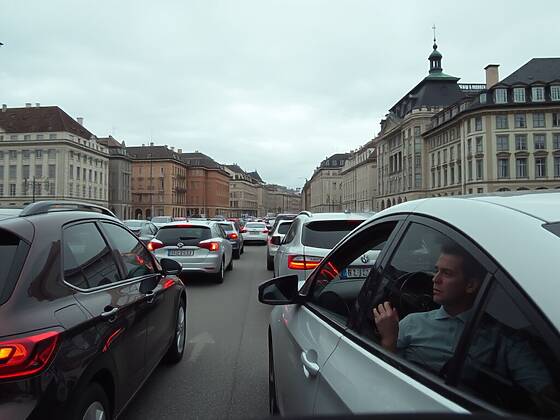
(151, 188)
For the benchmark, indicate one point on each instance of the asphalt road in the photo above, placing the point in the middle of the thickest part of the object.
(224, 371)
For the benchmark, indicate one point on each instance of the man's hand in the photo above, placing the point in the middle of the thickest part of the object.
(387, 323)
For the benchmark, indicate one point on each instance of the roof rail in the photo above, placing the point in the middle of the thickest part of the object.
(42, 207)
(307, 213)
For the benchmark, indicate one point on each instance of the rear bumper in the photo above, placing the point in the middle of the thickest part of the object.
(209, 264)
(272, 250)
(255, 238)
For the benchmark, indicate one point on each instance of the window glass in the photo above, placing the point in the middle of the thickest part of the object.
(292, 232)
(88, 261)
(424, 298)
(326, 234)
(190, 235)
(283, 228)
(509, 364)
(137, 260)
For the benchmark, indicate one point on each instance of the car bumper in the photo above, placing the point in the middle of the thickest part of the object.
(259, 237)
(208, 264)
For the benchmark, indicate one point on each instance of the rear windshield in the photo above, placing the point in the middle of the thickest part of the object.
(227, 227)
(134, 223)
(255, 225)
(326, 234)
(187, 235)
(283, 228)
(12, 254)
(161, 219)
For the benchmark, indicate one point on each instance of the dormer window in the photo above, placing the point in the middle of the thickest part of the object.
(555, 93)
(482, 98)
(500, 96)
(538, 94)
(519, 94)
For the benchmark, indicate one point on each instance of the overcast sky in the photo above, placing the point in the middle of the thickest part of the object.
(274, 86)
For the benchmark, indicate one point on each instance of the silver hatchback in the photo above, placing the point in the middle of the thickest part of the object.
(200, 247)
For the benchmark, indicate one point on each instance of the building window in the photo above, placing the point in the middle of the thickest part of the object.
(38, 154)
(555, 93)
(13, 137)
(556, 119)
(469, 125)
(503, 168)
(482, 98)
(538, 120)
(1, 154)
(480, 190)
(540, 141)
(77, 172)
(13, 154)
(71, 172)
(557, 167)
(500, 96)
(479, 145)
(27, 136)
(479, 169)
(452, 175)
(521, 142)
(39, 137)
(52, 136)
(501, 121)
(12, 190)
(25, 154)
(39, 171)
(540, 167)
(12, 171)
(521, 167)
(502, 143)
(556, 141)
(520, 121)
(1, 190)
(519, 95)
(51, 188)
(25, 171)
(469, 146)
(538, 94)
(478, 123)
(469, 171)
(52, 171)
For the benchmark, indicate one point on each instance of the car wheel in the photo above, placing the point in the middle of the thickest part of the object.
(220, 274)
(236, 254)
(272, 401)
(92, 404)
(269, 263)
(243, 249)
(177, 349)
(230, 265)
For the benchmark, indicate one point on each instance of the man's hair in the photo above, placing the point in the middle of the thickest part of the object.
(471, 267)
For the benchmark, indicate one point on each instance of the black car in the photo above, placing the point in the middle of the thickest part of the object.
(87, 313)
(144, 229)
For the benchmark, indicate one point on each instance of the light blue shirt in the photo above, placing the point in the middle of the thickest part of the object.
(429, 339)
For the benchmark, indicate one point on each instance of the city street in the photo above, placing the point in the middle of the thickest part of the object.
(224, 371)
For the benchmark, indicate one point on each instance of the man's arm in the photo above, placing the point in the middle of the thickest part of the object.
(387, 322)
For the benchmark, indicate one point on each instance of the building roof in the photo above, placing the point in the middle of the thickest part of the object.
(110, 142)
(151, 152)
(339, 157)
(235, 168)
(255, 175)
(199, 159)
(40, 119)
(535, 70)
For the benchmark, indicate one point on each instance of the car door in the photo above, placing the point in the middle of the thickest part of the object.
(114, 303)
(228, 249)
(281, 257)
(159, 302)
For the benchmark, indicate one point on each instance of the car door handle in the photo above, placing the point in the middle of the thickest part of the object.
(310, 367)
(110, 314)
(150, 296)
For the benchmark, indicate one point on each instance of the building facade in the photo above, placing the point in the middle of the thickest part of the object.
(120, 173)
(359, 179)
(208, 185)
(243, 194)
(504, 139)
(47, 155)
(325, 186)
(280, 199)
(159, 182)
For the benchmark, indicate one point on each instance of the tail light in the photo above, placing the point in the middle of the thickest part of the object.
(210, 246)
(265, 231)
(303, 262)
(232, 236)
(28, 355)
(154, 244)
(275, 240)
(243, 230)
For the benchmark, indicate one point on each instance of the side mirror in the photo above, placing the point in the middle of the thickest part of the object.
(170, 267)
(279, 291)
(275, 240)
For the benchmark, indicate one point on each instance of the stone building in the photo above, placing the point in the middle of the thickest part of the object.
(325, 186)
(359, 179)
(243, 192)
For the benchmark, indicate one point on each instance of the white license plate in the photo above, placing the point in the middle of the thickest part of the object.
(253, 233)
(181, 252)
(353, 273)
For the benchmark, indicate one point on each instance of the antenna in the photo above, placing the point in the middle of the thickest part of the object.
(434, 28)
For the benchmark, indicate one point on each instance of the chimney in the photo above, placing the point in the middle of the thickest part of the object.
(80, 120)
(28, 104)
(492, 76)
(172, 148)
(37, 104)
(179, 151)
(4, 107)
(151, 143)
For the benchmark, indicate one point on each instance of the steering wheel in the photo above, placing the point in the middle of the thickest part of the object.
(415, 293)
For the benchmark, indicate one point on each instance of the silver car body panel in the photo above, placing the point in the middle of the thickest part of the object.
(255, 233)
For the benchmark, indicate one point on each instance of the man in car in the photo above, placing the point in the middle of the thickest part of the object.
(429, 338)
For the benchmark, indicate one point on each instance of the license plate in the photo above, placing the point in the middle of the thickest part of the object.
(354, 273)
(181, 252)
(253, 233)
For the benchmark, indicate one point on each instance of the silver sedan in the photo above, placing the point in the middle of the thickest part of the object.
(200, 247)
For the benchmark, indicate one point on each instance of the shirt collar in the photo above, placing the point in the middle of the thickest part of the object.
(442, 314)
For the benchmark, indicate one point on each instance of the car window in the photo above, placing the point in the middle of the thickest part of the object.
(291, 234)
(509, 364)
(87, 259)
(188, 235)
(327, 233)
(424, 298)
(137, 260)
(12, 252)
(228, 227)
(255, 226)
(283, 228)
(339, 280)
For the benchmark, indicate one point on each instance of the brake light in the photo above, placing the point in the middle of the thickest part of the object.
(243, 230)
(182, 225)
(27, 355)
(210, 246)
(302, 262)
(154, 244)
(265, 231)
(168, 283)
(232, 236)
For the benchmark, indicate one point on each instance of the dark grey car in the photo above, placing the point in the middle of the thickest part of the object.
(144, 229)
(234, 237)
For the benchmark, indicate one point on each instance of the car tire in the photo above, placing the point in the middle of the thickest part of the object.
(236, 254)
(230, 265)
(269, 263)
(219, 276)
(272, 401)
(91, 404)
(243, 249)
(177, 349)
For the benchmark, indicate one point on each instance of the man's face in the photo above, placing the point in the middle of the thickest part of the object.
(450, 284)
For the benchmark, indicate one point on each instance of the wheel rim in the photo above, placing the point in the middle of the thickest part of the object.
(180, 332)
(95, 411)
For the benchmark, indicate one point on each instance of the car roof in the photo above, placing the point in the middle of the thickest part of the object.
(508, 227)
(184, 223)
(312, 217)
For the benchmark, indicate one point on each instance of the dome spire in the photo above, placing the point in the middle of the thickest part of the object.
(435, 57)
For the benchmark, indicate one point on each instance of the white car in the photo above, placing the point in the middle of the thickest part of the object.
(160, 221)
(255, 232)
(274, 239)
(458, 314)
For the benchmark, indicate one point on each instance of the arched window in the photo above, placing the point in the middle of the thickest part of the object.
(138, 214)
(523, 189)
(504, 189)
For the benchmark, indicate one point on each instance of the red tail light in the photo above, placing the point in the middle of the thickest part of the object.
(301, 262)
(210, 246)
(243, 230)
(232, 236)
(265, 231)
(28, 355)
(154, 244)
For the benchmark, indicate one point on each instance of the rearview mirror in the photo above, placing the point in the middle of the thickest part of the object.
(281, 290)
(275, 240)
(170, 267)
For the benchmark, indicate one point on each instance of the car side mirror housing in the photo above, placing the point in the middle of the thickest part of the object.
(281, 290)
(170, 267)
